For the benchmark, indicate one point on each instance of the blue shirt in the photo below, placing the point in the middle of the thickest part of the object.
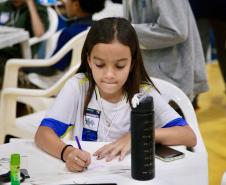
(68, 33)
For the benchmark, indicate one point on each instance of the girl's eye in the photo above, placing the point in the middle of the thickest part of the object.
(100, 65)
(120, 67)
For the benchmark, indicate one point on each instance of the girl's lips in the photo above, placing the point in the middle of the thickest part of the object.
(109, 82)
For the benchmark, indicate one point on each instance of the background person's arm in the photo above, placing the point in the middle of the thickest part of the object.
(36, 22)
(168, 25)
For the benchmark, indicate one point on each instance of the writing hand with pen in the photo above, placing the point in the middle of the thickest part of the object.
(76, 159)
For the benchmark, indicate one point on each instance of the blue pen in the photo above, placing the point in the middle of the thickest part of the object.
(78, 143)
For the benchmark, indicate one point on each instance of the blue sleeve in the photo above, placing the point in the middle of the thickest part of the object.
(58, 127)
(65, 36)
(175, 122)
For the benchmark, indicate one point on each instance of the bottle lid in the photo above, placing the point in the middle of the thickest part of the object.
(15, 159)
(145, 105)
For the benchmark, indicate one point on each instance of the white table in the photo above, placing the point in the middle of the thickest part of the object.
(10, 36)
(47, 170)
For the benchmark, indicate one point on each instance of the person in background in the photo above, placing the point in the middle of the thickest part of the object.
(211, 16)
(80, 13)
(97, 100)
(170, 42)
(27, 14)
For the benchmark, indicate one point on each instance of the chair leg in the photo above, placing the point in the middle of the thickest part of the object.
(8, 137)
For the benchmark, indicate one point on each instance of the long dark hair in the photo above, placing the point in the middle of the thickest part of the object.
(106, 31)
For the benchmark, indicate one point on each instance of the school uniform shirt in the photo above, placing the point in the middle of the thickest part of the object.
(67, 111)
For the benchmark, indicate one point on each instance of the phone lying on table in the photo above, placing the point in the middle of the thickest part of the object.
(48, 2)
(167, 154)
(94, 184)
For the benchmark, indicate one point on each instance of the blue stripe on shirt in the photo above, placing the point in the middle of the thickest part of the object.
(175, 122)
(58, 127)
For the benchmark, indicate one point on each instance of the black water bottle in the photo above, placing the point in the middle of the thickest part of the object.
(143, 140)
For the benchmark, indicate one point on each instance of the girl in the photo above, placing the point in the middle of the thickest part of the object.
(97, 99)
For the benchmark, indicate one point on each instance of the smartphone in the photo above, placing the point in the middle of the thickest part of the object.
(94, 184)
(167, 154)
(48, 2)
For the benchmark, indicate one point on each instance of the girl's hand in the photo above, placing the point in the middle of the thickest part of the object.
(119, 147)
(76, 160)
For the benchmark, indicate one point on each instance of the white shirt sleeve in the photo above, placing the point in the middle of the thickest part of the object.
(65, 106)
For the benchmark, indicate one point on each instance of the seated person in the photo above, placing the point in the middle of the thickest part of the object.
(25, 14)
(96, 102)
(80, 13)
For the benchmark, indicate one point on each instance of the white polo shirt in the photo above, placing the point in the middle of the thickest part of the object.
(108, 120)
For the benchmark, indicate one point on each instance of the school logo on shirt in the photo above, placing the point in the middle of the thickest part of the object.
(90, 125)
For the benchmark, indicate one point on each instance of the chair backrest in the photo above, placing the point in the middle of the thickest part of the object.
(53, 23)
(77, 49)
(172, 93)
(11, 94)
(76, 45)
(51, 44)
(26, 126)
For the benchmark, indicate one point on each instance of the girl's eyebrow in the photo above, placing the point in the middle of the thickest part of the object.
(98, 58)
(118, 60)
(122, 59)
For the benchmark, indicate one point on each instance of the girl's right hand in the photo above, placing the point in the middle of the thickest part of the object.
(76, 160)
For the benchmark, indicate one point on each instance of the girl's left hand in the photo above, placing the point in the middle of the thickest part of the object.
(119, 147)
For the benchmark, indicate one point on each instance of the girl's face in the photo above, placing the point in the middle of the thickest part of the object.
(110, 65)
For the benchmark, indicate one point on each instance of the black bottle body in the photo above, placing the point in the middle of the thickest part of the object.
(143, 142)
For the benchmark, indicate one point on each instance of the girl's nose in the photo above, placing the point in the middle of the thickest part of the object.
(109, 73)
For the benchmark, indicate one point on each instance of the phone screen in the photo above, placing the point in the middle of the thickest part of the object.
(95, 184)
(166, 153)
(47, 2)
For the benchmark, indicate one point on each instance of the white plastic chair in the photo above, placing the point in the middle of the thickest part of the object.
(26, 126)
(53, 23)
(172, 93)
(51, 44)
(76, 44)
(13, 65)
(37, 99)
